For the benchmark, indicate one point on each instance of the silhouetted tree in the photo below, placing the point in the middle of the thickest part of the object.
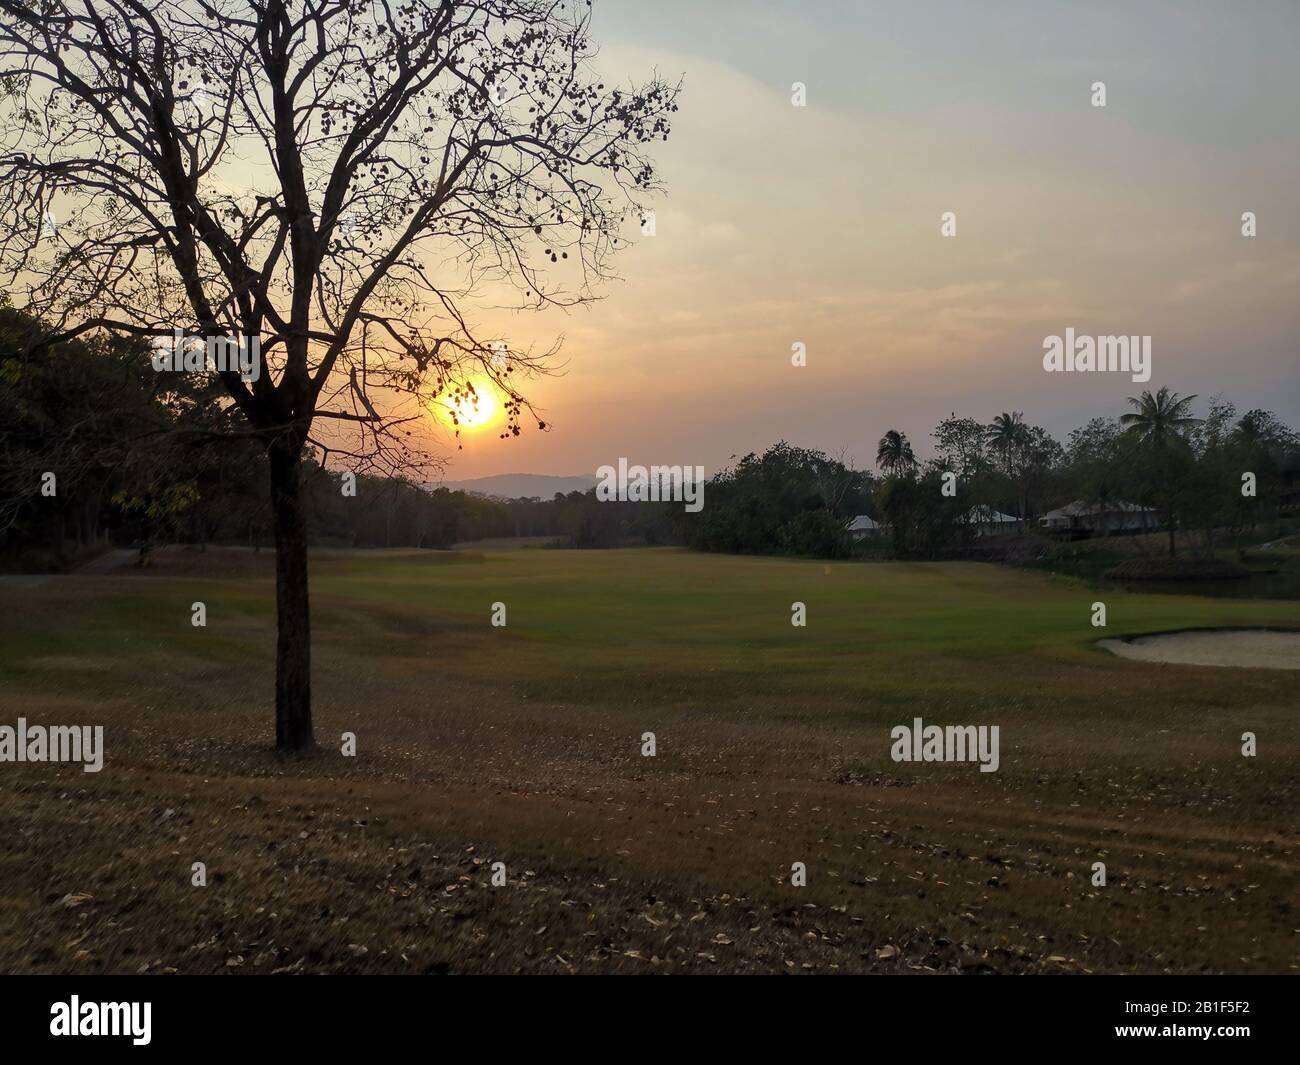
(894, 454)
(1160, 422)
(290, 170)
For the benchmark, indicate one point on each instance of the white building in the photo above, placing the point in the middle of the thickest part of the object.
(989, 522)
(865, 527)
(1112, 516)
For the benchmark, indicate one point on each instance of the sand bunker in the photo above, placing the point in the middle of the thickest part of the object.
(1247, 648)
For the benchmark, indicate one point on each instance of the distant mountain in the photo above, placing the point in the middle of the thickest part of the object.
(519, 485)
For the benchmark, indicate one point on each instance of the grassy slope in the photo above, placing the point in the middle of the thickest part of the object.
(522, 744)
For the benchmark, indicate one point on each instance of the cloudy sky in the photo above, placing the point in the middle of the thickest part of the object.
(821, 225)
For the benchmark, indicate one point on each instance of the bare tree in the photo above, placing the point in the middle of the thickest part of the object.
(339, 179)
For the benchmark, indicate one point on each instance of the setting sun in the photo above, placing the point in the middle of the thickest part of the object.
(474, 406)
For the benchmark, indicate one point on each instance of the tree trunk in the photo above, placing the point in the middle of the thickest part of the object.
(1172, 550)
(293, 731)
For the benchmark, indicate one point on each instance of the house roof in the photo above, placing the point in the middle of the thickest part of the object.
(1079, 509)
(863, 523)
(986, 516)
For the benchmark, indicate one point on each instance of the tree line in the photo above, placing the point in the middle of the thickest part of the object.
(1204, 481)
(96, 447)
(143, 458)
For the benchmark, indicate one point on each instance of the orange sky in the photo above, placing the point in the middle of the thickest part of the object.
(821, 225)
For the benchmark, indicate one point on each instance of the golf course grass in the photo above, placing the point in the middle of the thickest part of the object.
(522, 744)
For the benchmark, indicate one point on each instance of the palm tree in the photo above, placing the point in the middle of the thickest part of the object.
(1249, 428)
(1159, 422)
(1007, 435)
(1159, 419)
(894, 454)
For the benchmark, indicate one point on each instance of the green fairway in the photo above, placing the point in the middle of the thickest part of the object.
(664, 623)
(873, 630)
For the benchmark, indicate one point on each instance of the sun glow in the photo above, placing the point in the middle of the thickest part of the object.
(473, 406)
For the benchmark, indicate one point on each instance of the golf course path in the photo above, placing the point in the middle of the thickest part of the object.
(98, 567)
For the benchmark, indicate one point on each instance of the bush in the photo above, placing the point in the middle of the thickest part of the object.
(818, 533)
